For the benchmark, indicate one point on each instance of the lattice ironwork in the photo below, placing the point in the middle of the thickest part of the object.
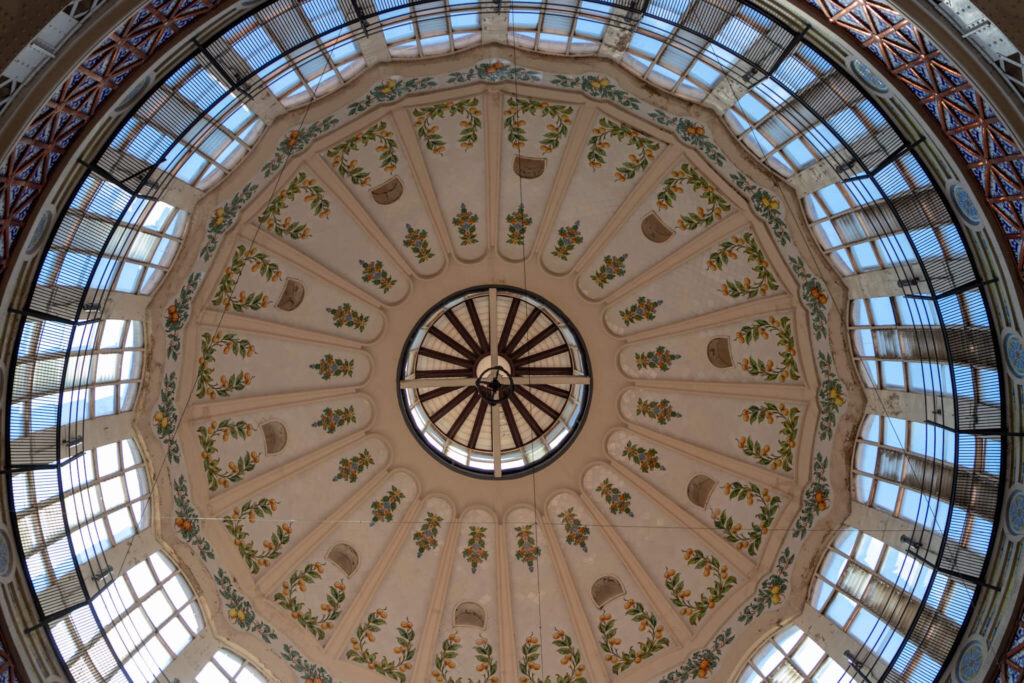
(985, 143)
(26, 171)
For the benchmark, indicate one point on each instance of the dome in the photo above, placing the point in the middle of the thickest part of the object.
(457, 342)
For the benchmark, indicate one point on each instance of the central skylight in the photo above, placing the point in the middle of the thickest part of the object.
(494, 381)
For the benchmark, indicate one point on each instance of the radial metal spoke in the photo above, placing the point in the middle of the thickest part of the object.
(525, 412)
(447, 358)
(466, 410)
(527, 380)
(544, 407)
(555, 391)
(523, 329)
(463, 332)
(474, 318)
(434, 393)
(547, 372)
(447, 407)
(506, 329)
(510, 420)
(541, 355)
(533, 341)
(424, 374)
(478, 422)
(424, 382)
(451, 342)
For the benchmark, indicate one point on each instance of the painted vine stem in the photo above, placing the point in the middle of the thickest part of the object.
(186, 520)
(494, 72)
(772, 590)
(240, 610)
(306, 669)
(515, 126)
(599, 143)
(177, 314)
(762, 454)
(721, 583)
(165, 418)
(647, 623)
(693, 134)
(236, 469)
(271, 548)
(830, 396)
(768, 506)
(475, 551)
(404, 650)
(760, 329)
(469, 123)
(384, 144)
(702, 662)
(715, 203)
(529, 665)
(258, 262)
(222, 220)
(229, 343)
(444, 661)
(296, 141)
(389, 90)
(599, 87)
(330, 609)
(312, 194)
(729, 250)
(814, 295)
(816, 497)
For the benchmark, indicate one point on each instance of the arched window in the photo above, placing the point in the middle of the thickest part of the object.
(872, 591)
(92, 215)
(778, 131)
(790, 655)
(899, 345)
(227, 667)
(149, 614)
(102, 375)
(321, 66)
(856, 228)
(106, 499)
(215, 143)
(907, 469)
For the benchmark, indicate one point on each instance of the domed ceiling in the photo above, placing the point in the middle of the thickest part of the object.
(292, 394)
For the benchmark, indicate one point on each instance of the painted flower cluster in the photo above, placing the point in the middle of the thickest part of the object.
(329, 366)
(611, 268)
(660, 358)
(347, 316)
(568, 237)
(643, 309)
(383, 510)
(332, 418)
(656, 410)
(350, 468)
(416, 240)
(374, 273)
(646, 458)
